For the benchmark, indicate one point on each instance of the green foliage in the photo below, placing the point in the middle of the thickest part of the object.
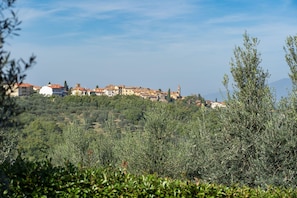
(168, 97)
(177, 139)
(37, 137)
(42, 179)
(201, 151)
(12, 72)
(74, 146)
(245, 119)
(194, 100)
(8, 143)
(291, 57)
(250, 80)
(162, 133)
(66, 86)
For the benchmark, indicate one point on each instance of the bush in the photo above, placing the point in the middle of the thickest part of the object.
(42, 179)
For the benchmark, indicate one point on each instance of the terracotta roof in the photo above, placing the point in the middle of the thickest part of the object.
(55, 86)
(24, 85)
(80, 89)
(99, 90)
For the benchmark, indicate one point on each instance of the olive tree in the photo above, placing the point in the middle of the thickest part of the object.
(161, 151)
(279, 141)
(249, 107)
(258, 139)
(281, 152)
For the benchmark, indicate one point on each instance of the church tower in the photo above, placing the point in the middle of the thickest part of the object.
(179, 91)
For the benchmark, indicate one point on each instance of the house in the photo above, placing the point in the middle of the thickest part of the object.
(98, 91)
(22, 89)
(111, 90)
(128, 90)
(79, 91)
(53, 89)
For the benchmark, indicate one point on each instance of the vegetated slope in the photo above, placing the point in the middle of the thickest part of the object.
(176, 140)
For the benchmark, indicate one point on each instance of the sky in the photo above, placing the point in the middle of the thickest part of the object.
(149, 43)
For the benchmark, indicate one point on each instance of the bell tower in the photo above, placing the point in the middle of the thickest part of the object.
(179, 91)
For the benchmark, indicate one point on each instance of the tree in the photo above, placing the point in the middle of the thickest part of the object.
(66, 86)
(168, 97)
(202, 100)
(249, 108)
(282, 153)
(250, 89)
(161, 146)
(12, 72)
(74, 146)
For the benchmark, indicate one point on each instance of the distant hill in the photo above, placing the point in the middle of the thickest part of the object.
(280, 88)
(219, 96)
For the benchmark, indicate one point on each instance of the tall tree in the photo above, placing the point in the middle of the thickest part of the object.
(66, 86)
(12, 71)
(169, 96)
(250, 89)
(250, 80)
(248, 109)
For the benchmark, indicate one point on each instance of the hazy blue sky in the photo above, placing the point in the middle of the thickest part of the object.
(149, 43)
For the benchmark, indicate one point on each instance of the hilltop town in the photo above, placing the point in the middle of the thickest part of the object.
(26, 89)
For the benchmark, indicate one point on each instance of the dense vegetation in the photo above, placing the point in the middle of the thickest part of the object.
(42, 179)
(101, 131)
(177, 140)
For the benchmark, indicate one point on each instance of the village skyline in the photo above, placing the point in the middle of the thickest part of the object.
(25, 89)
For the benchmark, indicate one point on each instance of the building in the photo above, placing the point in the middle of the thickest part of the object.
(22, 89)
(111, 90)
(79, 91)
(98, 92)
(128, 90)
(53, 90)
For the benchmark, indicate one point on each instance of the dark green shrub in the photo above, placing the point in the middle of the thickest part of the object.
(42, 179)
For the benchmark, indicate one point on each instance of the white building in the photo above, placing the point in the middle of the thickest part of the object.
(52, 89)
